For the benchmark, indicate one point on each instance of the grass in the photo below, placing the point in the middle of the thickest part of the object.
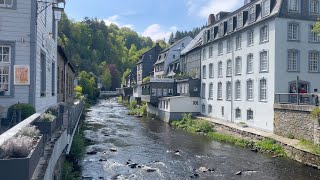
(310, 146)
(202, 126)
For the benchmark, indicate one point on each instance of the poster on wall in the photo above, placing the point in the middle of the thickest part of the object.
(21, 75)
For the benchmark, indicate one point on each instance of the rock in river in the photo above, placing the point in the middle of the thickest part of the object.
(113, 150)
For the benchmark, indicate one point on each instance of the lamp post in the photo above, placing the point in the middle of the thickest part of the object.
(57, 7)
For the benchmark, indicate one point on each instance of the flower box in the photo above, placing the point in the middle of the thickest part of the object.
(22, 168)
(46, 127)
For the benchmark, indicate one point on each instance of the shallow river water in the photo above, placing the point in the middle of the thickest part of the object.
(126, 147)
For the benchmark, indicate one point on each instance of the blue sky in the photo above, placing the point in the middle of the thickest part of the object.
(153, 18)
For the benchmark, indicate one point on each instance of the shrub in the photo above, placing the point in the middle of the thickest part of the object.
(26, 110)
(195, 126)
(133, 105)
(47, 117)
(315, 113)
(146, 79)
(16, 147)
(120, 100)
(29, 131)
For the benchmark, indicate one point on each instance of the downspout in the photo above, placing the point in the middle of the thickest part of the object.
(33, 52)
(232, 77)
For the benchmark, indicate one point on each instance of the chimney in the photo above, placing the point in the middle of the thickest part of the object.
(211, 19)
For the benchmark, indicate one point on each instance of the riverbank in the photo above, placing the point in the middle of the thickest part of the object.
(293, 148)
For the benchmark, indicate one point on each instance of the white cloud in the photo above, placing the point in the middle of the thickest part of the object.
(156, 32)
(203, 8)
(115, 20)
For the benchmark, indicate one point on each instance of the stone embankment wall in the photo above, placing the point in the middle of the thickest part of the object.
(296, 122)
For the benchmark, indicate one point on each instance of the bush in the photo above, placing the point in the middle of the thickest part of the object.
(26, 111)
(29, 131)
(315, 113)
(194, 126)
(16, 147)
(133, 105)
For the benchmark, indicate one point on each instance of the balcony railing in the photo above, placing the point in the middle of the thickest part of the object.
(163, 80)
(299, 99)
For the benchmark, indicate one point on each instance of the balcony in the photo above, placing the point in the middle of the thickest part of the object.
(297, 99)
(161, 80)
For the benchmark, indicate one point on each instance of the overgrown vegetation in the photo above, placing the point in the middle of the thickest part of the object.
(146, 79)
(314, 148)
(204, 127)
(316, 113)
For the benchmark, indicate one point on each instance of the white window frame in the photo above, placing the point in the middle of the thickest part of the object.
(240, 20)
(314, 60)
(203, 91)
(228, 91)
(221, 29)
(266, 8)
(264, 63)
(238, 113)
(229, 46)
(293, 31)
(250, 38)
(219, 94)
(293, 60)
(7, 5)
(250, 62)
(220, 69)
(211, 73)
(220, 48)
(210, 51)
(238, 41)
(204, 53)
(229, 68)
(211, 91)
(314, 7)
(263, 90)
(238, 66)
(293, 6)
(210, 109)
(204, 72)
(313, 36)
(230, 25)
(250, 90)
(6, 65)
(249, 114)
(264, 34)
(252, 14)
(237, 90)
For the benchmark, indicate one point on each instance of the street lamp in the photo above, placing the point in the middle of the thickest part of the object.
(57, 7)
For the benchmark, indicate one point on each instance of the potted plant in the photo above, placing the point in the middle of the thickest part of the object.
(21, 152)
(46, 123)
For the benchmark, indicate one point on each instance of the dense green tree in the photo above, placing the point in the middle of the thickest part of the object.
(106, 79)
(125, 74)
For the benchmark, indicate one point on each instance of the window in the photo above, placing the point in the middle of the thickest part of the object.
(293, 60)
(264, 64)
(238, 90)
(314, 61)
(228, 46)
(219, 91)
(211, 70)
(238, 113)
(252, 14)
(167, 104)
(5, 64)
(203, 91)
(229, 68)
(174, 56)
(204, 53)
(250, 90)
(313, 37)
(293, 6)
(170, 92)
(250, 64)
(228, 91)
(210, 51)
(220, 48)
(43, 72)
(210, 109)
(293, 31)
(153, 92)
(230, 25)
(159, 93)
(195, 103)
(263, 90)
(249, 114)
(203, 108)
(6, 3)
(222, 111)
(221, 29)
(165, 92)
(265, 8)
(212, 33)
(53, 79)
(204, 72)
(211, 91)
(238, 66)
(264, 34)
(314, 7)
(238, 42)
(240, 20)
(220, 69)
(250, 38)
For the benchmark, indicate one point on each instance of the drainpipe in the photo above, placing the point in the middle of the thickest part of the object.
(232, 77)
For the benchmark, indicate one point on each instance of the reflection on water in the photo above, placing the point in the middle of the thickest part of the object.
(125, 147)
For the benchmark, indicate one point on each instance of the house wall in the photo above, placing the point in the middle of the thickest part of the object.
(303, 45)
(15, 31)
(263, 111)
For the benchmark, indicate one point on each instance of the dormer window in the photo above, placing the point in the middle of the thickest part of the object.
(6, 3)
(265, 8)
(293, 6)
(314, 7)
(221, 29)
(230, 25)
(212, 33)
(252, 14)
(240, 20)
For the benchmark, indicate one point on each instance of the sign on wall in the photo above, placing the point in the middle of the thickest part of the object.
(21, 75)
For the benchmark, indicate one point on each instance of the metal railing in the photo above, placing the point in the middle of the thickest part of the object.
(298, 99)
(75, 112)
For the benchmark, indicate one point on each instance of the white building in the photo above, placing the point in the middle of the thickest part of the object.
(28, 52)
(255, 52)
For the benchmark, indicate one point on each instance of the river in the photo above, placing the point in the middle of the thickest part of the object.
(126, 147)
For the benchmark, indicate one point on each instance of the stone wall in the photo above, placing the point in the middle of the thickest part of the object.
(295, 121)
